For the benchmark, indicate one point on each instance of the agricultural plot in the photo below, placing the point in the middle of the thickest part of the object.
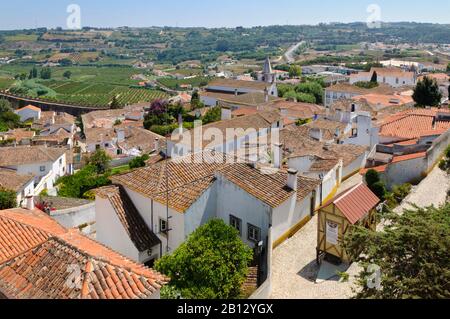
(5, 83)
(175, 84)
(93, 86)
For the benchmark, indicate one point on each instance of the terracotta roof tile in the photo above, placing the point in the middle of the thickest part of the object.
(270, 188)
(133, 223)
(189, 176)
(355, 203)
(414, 124)
(13, 156)
(11, 180)
(40, 259)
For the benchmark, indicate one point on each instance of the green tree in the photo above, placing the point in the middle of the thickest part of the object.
(100, 160)
(81, 183)
(295, 71)
(312, 88)
(427, 93)
(375, 184)
(139, 161)
(374, 78)
(67, 74)
(33, 73)
(46, 73)
(8, 199)
(448, 67)
(412, 252)
(8, 119)
(212, 115)
(196, 103)
(306, 98)
(290, 95)
(115, 103)
(284, 88)
(211, 264)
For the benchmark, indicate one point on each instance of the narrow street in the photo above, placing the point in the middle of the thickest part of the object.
(295, 269)
(294, 262)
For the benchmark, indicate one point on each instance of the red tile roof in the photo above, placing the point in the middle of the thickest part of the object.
(408, 157)
(30, 107)
(414, 124)
(355, 203)
(39, 259)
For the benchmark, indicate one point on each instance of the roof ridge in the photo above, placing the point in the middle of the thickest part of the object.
(347, 192)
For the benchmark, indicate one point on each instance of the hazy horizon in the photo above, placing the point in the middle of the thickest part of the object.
(27, 14)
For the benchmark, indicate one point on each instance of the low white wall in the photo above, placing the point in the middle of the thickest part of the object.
(76, 217)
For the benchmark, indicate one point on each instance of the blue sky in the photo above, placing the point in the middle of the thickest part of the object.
(214, 13)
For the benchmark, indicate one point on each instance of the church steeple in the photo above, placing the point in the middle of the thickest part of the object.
(268, 75)
(267, 66)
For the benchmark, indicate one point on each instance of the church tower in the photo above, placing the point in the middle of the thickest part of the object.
(268, 75)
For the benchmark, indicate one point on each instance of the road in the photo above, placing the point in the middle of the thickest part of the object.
(289, 56)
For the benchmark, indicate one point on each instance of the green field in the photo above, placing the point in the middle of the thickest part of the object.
(5, 83)
(22, 37)
(101, 94)
(174, 84)
(94, 86)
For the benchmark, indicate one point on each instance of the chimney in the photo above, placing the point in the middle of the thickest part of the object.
(180, 123)
(266, 95)
(316, 133)
(226, 113)
(30, 202)
(292, 180)
(277, 155)
(157, 145)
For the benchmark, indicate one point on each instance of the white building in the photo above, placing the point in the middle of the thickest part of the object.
(215, 136)
(22, 185)
(45, 163)
(202, 187)
(116, 214)
(393, 77)
(29, 112)
(348, 91)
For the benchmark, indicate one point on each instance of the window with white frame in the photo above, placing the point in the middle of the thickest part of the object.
(254, 233)
(163, 226)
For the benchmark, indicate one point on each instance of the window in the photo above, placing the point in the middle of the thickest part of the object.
(42, 168)
(254, 233)
(236, 223)
(163, 226)
(60, 161)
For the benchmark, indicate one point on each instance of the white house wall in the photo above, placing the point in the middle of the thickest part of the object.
(202, 211)
(405, 172)
(232, 200)
(26, 114)
(355, 166)
(110, 231)
(176, 222)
